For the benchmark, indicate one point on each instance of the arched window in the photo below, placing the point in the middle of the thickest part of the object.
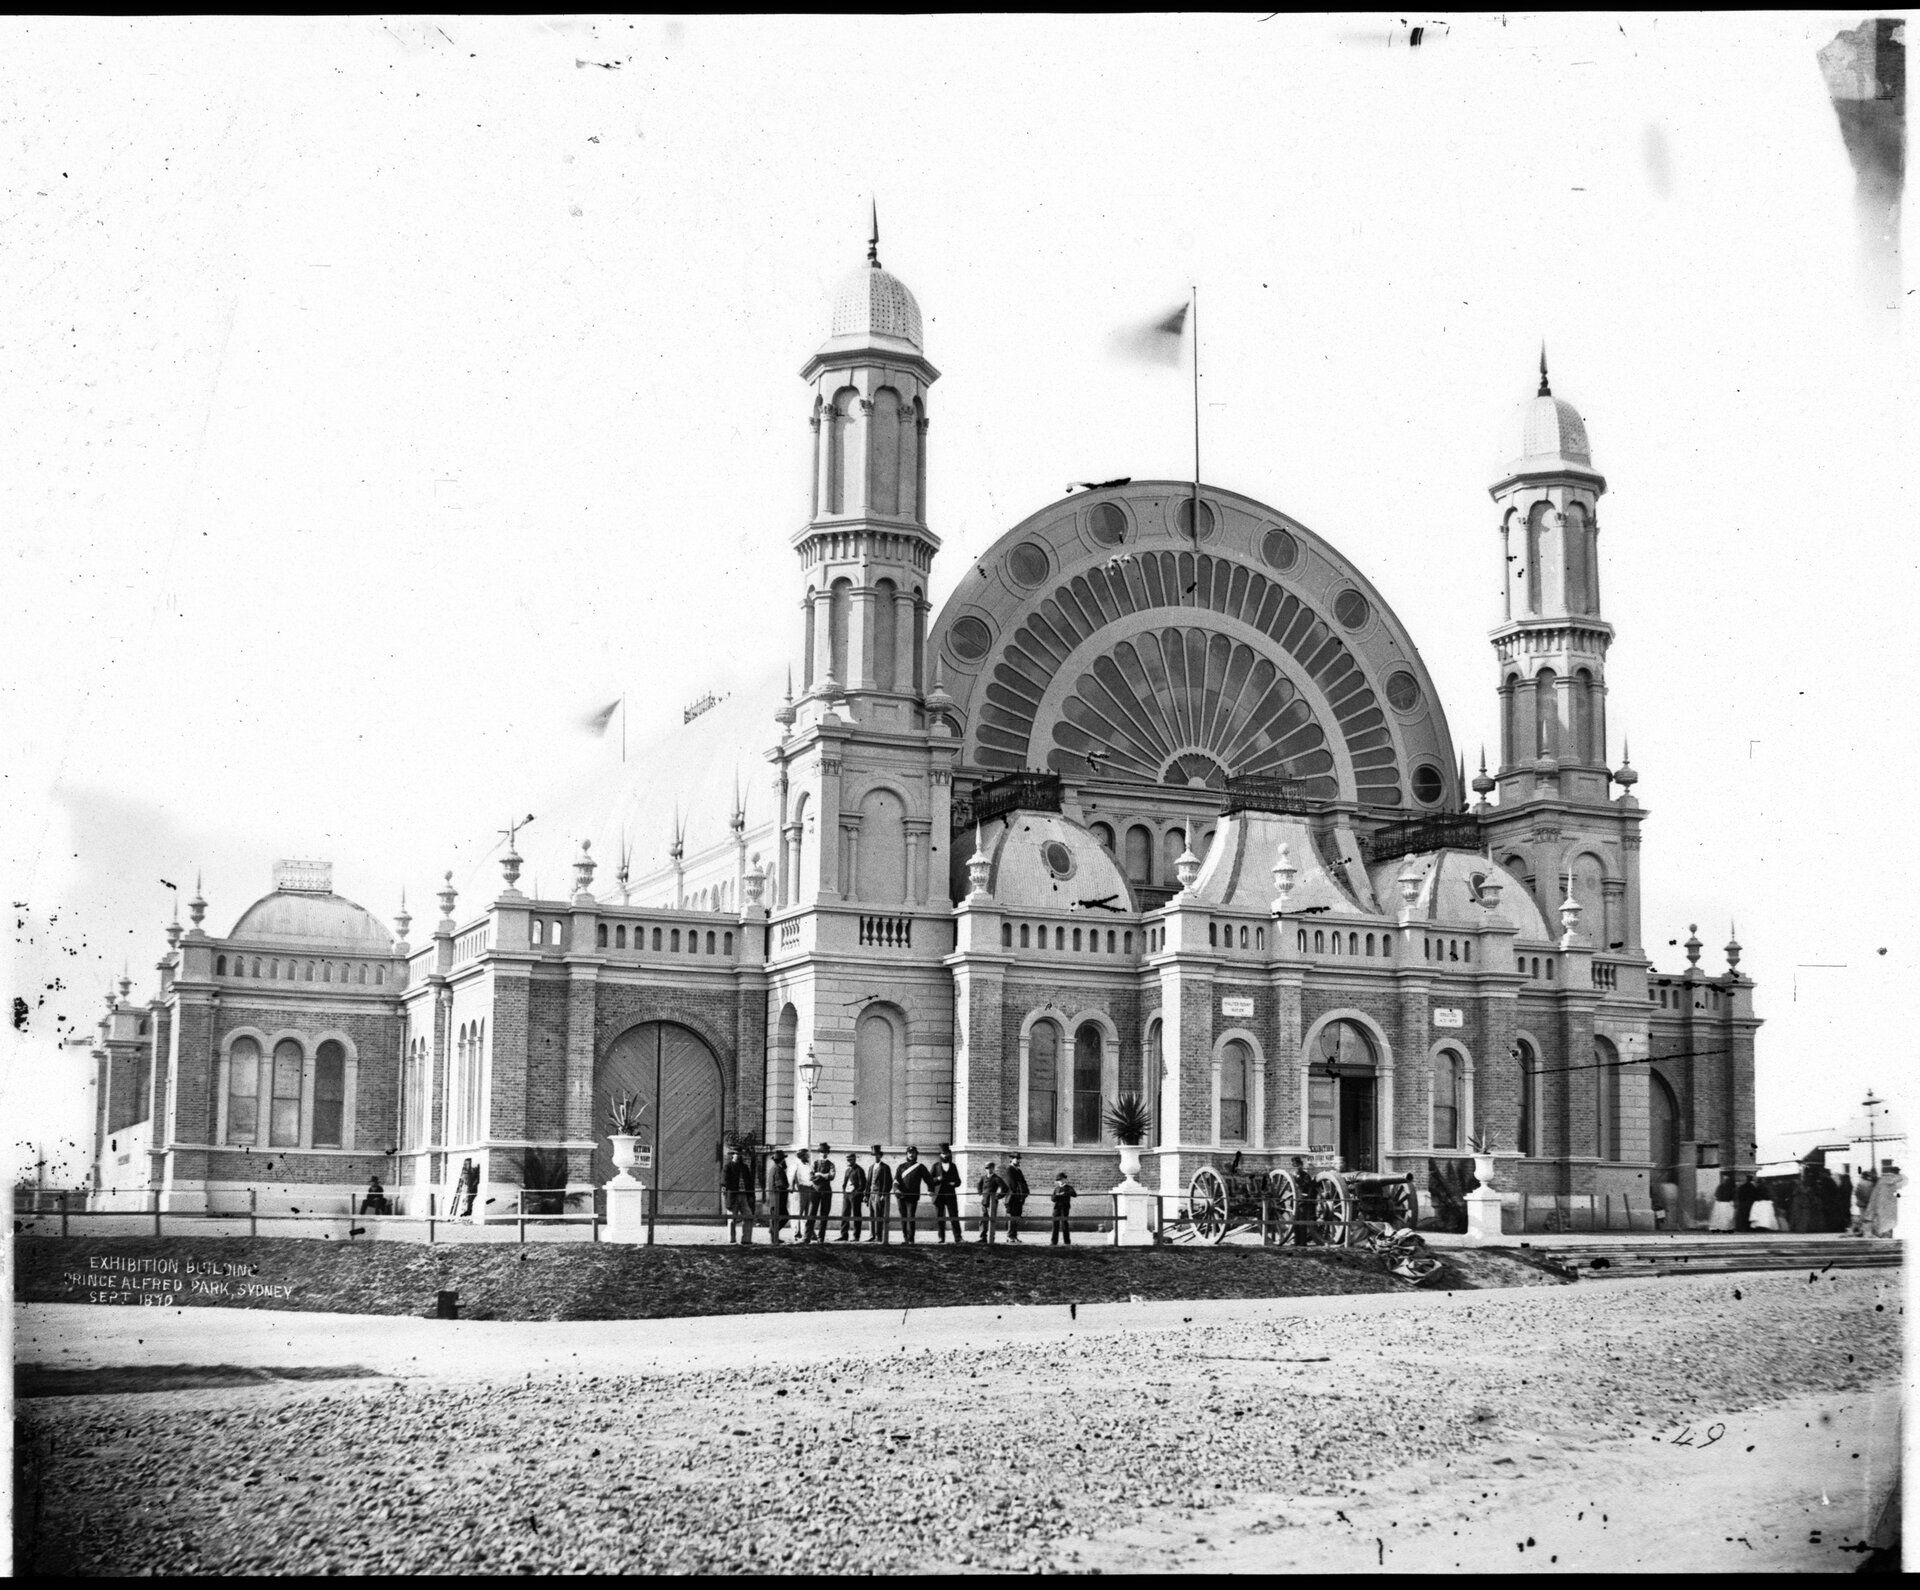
(1546, 713)
(1043, 1083)
(1110, 941)
(886, 630)
(1088, 1052)
(620, 937)
(1156, 1076)
(326, 971)
(806, 607)
(380, 976)
(1139, 855)
(538, 930)
(1536, 519)
(877, 1045)
(726, 944)
(883, 848)
(1353, 943)
(329, 1094)
(1333, 944)
(1059, 938)
(883, 452)
(839, 439)
(656, 939)
(1319, 941)
(600, 936)
(1512, 722)
(1126, 942)
(1303, 940)
(256, 966)
(1076, 938)
(1530, 1102)
(1173, 845)
(362, 979)
(710, 944)
(220, 966)
(1236, 1067)
(1024, 935)
(1606, 1072)
(1369, 943)
(1448, 1072)
(1213, 935)
(283, 1125)
(243, 1091)
(1104, 834)
(838, 613)
(674, 942)
(1006, 935)
(1580, 714)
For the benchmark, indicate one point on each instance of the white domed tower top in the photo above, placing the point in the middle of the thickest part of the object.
(1547, 435)
(873, 308)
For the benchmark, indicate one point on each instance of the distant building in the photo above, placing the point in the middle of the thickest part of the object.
(1156, 803)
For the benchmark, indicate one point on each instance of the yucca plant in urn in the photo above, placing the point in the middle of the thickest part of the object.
(1129, 1119)
(626, 1116)
(1482, 1151)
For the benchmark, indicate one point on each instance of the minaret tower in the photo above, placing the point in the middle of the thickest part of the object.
(866, 551)
(1555, 812)
(861, 917)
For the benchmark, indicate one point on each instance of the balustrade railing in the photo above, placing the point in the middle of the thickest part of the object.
(887, 932)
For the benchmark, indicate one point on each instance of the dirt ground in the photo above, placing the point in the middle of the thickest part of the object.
(1482, 1430)
(581, 1281)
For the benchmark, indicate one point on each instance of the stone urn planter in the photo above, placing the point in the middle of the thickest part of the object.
(1483, 1170)
(625, 1155)
(1130, 1164)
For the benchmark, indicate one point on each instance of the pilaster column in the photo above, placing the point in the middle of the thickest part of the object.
(919, 830)
(860, 638)
(822, 635)
(850, 855)
(906, 672)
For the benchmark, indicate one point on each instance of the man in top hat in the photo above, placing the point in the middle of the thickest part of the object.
(907, 1188)
(853, 1197)
(945, 1177)
(822, 1194)
(1016, 1180)
(880, 1190)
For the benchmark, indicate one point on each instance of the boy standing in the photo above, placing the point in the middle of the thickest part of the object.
(1063, 1196)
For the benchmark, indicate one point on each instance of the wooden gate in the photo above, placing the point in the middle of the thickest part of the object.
(687, 1169)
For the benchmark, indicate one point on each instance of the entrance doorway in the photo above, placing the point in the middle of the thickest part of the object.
(1341, 1119)
(689, 1125)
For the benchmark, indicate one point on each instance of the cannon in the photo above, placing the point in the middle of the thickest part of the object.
(1224, 1201)
(1354, 1208)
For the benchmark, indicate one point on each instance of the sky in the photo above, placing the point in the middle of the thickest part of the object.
(382, 397)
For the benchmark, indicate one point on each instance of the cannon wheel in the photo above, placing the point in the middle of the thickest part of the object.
(1403, 1203)
(1333, 1208)
(1207, 1204)
(1283, 1205)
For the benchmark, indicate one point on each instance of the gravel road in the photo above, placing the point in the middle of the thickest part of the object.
(991, 1457)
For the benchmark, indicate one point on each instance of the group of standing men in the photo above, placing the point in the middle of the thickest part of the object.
(872, 1196)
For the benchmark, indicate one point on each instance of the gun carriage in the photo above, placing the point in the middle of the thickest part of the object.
(1330, 1207)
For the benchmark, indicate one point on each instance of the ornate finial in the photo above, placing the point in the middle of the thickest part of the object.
(197, 907)
(404, 919)
(979, 865)
(873, 234)
(738, 821)
(1488, 894)
(756, 887)
(1545, 390)
(583, 871)
(679, 846)
(1733, 949)
(174, 929)
(626, 862)
(1693, 945)
(1284, 872)
(126, 983)
(510, 862)
(448, 894)
(1186, 867)
(1409, 881)
(1483, 786)
(1569, 916)
(1625, 776)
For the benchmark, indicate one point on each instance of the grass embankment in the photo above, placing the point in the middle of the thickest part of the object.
(582, 1281)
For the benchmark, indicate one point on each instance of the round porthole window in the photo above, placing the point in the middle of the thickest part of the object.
(1351, 608)
(1028, 563)
(1058, 858)
(1108, 524)
(969, 639)
(1184, 517)
(1428, 786)
(1280, 550)
(1403, 690)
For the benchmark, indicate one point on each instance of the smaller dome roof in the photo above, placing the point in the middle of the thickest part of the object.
(1449, 894)
(312, 921)
(874, 303)
(1043, 861)
(1551, 427)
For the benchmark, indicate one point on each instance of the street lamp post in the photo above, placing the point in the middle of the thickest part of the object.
(809, 1079)
(1870, 1104)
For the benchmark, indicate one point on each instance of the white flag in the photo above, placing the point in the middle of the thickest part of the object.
(1157, 341)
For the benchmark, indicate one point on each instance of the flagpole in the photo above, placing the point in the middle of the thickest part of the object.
(1196, 431)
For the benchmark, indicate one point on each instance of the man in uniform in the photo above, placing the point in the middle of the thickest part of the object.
(777, 1185)
(803, 1191)
(945, 1177)
(992, 1188)
(907, 1188)
(737, 1179)
(1016, 1196)
(880, 1188)
(853, 1197)
(822, 1195)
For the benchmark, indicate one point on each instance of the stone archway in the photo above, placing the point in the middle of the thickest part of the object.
(690, 1124)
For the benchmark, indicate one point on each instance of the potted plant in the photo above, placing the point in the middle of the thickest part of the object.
(1129, 1119)
(1482, 1151)
(543, 1181)
(625, 1117)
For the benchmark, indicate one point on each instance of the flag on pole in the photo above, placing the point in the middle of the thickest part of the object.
(596, 722)
(1156, 341)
